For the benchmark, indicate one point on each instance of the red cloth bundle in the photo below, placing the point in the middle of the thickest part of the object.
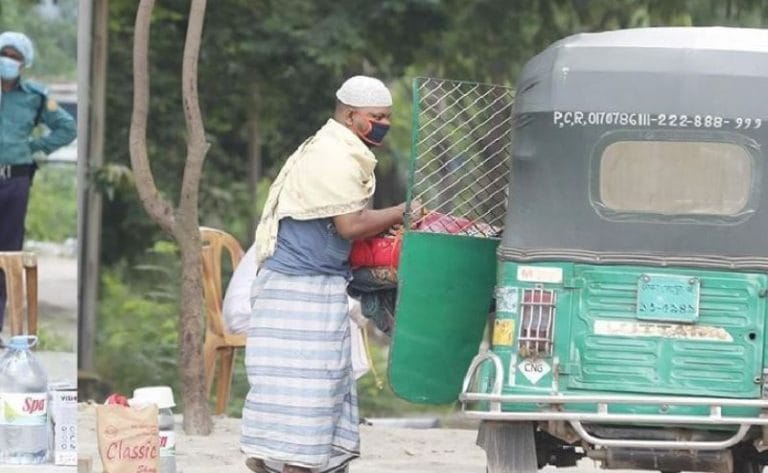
(375, 252)
(441, 223)
(384, 250)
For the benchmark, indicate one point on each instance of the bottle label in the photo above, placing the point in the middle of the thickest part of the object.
(167, 443)
(24, 408)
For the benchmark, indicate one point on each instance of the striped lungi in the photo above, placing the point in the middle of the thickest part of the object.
(302, 405)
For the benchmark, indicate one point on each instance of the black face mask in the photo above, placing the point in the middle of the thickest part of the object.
(375, 134)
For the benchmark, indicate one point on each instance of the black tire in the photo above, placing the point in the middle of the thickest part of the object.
(747, 466)
(509, 447)
(745, 459)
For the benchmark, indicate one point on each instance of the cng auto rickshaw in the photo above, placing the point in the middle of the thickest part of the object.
(610, 214)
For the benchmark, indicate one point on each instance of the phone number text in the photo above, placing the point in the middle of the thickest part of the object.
(577, 118)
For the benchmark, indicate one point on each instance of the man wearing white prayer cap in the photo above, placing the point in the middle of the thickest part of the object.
(364, 105)
(300, 414)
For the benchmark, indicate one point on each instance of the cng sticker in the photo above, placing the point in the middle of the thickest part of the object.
(503, 331)
(534, 369)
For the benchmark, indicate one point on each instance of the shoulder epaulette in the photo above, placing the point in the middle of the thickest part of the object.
(35, 87)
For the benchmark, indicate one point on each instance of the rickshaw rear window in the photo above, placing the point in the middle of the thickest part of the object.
(675, 177)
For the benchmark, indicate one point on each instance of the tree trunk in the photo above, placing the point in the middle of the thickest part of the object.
(183, 222)
(197, 415)
(159, 209)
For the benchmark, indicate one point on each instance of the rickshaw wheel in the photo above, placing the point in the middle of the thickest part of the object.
(509, 446)
(747, 466)
(745, 459)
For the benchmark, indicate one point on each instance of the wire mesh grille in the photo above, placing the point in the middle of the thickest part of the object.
(538, 322)
(462, 148)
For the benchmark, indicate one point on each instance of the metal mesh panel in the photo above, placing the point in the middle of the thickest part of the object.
(461, 149)
(537, 326)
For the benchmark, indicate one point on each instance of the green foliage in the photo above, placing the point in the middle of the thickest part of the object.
(55, 38)
(137, 323)
(49, 340)
(52, 211)
(266, 68)
(112, 178)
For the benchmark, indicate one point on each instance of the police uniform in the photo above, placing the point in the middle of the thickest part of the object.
(21, 110)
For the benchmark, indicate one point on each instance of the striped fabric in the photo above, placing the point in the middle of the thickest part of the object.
(302, 405)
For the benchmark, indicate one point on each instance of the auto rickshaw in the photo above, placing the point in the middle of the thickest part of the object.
(611, 216)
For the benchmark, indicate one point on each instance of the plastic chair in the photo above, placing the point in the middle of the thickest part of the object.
(20, 270)
(219, 341)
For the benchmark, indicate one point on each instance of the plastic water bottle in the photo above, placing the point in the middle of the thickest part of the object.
(167, 440)
(24, 402)
(162, 397)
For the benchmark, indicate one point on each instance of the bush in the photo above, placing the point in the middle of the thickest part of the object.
(52, 212)
(137, 335)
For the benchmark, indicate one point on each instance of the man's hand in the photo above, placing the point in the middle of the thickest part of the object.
(367, 223)
(417, 211)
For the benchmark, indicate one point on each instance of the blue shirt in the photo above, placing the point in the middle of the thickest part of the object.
(309, 248)
(20, 108)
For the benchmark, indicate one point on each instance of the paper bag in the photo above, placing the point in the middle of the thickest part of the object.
(128, 438)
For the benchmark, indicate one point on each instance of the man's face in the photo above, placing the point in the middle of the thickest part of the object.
(361, 117)
(369, 123)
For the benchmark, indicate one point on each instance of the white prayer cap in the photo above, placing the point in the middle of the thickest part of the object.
(364, 91)
(21, 43)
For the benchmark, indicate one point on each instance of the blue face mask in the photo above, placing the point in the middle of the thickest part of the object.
(9, 68)
(375, 134)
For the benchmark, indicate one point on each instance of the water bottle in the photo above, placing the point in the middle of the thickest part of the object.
(162, 397)
(167, 440)
(24, 399)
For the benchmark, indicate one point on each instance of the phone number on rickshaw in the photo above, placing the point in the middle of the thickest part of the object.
(578, 118)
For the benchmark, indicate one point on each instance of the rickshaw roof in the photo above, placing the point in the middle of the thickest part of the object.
(716, 70)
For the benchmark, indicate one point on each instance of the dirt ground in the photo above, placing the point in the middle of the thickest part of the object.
(383, 449)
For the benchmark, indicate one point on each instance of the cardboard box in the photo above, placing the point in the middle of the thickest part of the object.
(62, 415)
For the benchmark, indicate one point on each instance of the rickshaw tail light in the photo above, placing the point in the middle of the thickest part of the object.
(537, 324)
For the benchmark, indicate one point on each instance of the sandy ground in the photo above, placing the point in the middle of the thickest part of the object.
(383, 449)
(57, 297)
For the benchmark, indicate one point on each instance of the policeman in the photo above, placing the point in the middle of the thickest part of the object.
(23, 105)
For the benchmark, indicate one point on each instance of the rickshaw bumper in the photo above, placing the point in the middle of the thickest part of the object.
(555, 407)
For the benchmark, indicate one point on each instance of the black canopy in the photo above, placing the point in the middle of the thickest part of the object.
(587, 91)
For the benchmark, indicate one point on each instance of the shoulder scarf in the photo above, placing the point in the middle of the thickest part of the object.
(330, 174)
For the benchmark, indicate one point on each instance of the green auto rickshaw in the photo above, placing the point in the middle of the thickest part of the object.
(593, 278)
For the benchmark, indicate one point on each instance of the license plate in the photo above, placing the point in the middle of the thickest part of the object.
(667, 297)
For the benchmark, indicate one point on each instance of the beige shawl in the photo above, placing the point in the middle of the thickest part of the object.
(330, 174)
